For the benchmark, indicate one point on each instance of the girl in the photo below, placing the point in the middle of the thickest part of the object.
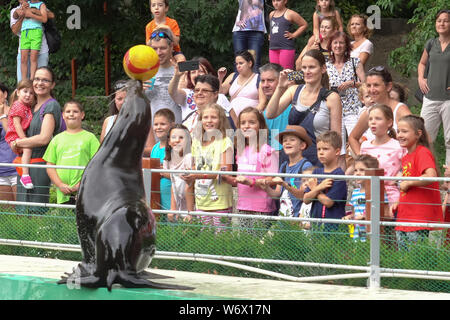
(242, 85)
(328, 27)
(325, 8)
(281, 40)
(362, 47)
(19, 120)
(212, 150)
(118, 98)
(253, 155)
(385, 148)
(420, 201)
(178, 157)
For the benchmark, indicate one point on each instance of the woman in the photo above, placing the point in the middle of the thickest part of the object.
(314, 107)
(436, 85)
(379, 84)
(117, 100)
(242, 85)
(362, 47)
(328, 27)
(346, 75)
(249, 29)
(42, 129)
(186, 98)
(8, 175)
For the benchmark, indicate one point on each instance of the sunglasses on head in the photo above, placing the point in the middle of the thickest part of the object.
(160, 34)
(378, 69)
(120, 85)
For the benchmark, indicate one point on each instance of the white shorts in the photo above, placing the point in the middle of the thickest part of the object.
(8, 181)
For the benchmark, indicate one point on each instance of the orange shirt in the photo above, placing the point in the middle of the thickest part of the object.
(173, 25)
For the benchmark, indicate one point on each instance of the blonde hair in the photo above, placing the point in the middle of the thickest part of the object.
(223, 121)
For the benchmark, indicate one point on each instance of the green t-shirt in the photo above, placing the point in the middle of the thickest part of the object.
(71, 149)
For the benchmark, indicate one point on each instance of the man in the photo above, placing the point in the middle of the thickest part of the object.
(270, 74)
(18, 14)
(156, 89)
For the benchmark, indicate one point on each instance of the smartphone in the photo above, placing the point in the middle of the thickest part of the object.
(295, 75)
(188, 65)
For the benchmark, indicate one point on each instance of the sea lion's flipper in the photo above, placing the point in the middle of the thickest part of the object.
(149, 275)
(130, 280)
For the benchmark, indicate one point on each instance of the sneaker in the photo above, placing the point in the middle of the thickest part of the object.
(26, 182)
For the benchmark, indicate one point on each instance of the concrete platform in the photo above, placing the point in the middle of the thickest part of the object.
(35, 278)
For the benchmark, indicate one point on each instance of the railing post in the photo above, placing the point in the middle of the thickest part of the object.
(374, 280)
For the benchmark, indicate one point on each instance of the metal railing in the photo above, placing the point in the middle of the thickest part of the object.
(373, 272)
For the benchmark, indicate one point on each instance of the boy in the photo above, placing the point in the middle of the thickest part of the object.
(294, 140)
(159, 9)
(162, 121)
(73, 147)
(327, 196)
(31, 37)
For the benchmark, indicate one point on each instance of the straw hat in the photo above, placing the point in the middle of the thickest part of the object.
(297, 131)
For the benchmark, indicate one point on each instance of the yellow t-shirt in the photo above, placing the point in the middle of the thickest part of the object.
(209, 193)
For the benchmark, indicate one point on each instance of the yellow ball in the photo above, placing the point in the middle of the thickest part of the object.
(141, 62)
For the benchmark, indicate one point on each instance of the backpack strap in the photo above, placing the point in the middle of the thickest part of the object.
(296, 94)
(42, 109)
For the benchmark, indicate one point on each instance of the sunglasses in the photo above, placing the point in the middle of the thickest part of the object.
(120, 85)
(378, 69)
(160, 34)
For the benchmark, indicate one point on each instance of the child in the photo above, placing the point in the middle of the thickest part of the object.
(420, 201)
(327, 195)
(358, 198)
(19, 119)
(281, 40)
(305, 209)
(31, 38)
(72, 147)
(446, 206)
(212, 150)
(385, 148)
(178, 157)
(294, 141)
(159, 9)
(325, 8)
(162, 122)
(253, 155)
(399, 92)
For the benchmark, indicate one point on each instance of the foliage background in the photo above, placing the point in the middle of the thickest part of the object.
(205, 31)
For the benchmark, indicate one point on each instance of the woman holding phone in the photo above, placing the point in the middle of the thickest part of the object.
(187, 98)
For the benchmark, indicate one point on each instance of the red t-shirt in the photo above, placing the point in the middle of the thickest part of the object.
(173, 25)
(419, 204)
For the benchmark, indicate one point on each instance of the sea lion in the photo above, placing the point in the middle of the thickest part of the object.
(116, 229)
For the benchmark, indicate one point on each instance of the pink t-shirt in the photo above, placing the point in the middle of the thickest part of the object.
(253, 198)
(389, 156)
(25, 114)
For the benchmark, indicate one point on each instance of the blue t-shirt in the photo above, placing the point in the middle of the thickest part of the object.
(165, 184)
(337, 193)
(279, 123)
(295, 169)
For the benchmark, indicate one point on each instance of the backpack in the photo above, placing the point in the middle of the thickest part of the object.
(52, 35)
(62, 123)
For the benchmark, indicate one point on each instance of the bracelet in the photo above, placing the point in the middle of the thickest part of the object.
(253, 182)
(3, 116)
